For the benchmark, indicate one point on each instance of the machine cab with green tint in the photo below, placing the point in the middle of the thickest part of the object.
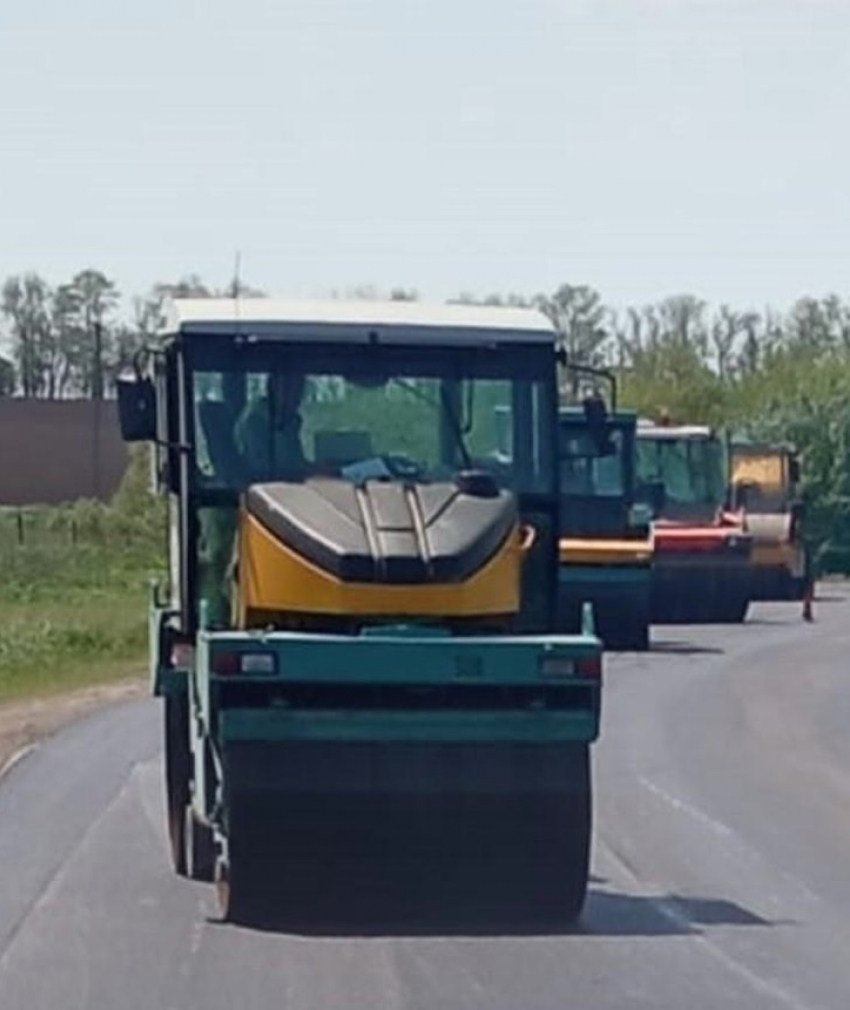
(605, 547)
(363, 579)
(692, 464)
(702, 550)
(597, 489)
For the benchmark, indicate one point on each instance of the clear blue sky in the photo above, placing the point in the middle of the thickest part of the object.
(644, 146)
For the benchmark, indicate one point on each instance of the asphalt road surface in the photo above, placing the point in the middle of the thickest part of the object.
(721, 861)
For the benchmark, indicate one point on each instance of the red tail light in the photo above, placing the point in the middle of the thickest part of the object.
(589, 666)
(225, 663)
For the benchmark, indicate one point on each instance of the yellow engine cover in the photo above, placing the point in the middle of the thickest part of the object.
(274, 579)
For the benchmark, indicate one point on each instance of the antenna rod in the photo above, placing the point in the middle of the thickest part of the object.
(237, 287)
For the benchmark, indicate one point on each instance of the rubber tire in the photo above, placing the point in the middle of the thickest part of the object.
(177, 775)
(200, 852)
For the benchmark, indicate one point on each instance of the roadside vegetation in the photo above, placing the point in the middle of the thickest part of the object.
(779, 374)
(73, 607)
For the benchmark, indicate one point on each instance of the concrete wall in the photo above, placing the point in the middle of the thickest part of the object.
(55, 451)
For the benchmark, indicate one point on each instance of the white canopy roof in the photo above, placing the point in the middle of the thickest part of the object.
(358, 321)
(649, 429)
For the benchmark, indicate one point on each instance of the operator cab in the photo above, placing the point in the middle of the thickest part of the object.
(344, 400)
(682, 471)
(597, 474)
(765, 477)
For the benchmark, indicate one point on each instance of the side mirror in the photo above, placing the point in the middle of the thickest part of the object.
(596, 416)
(137, 408)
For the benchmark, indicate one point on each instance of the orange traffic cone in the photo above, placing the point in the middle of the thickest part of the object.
(808, 601)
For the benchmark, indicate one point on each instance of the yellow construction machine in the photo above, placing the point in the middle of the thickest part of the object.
(765, 483)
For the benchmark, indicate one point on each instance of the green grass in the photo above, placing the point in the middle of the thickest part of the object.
(73, 596)
(66, 645)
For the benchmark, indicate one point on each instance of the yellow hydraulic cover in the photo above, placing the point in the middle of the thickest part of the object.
(765, 469)
(274, 579)
(582, 551)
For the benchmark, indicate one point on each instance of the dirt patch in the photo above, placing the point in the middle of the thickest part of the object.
(23, 723)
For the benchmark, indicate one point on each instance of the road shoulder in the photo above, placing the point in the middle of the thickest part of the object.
(24, 723)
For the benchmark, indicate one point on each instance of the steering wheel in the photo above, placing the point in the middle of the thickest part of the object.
(387, 466)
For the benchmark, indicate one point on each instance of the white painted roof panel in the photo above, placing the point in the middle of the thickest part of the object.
(395, 322)
(649, 429)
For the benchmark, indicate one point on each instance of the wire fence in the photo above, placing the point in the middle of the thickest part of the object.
(85, 524)
(27, 528)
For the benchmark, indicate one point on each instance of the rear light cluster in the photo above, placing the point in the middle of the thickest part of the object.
(589, 666)
(248, 664)
(565, 666)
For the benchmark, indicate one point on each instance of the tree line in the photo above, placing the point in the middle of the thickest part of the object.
(783, 376)
(693, 359)
(72, 339)
(776, 376)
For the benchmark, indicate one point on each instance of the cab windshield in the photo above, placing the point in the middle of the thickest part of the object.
(693, 470)
(289, 412)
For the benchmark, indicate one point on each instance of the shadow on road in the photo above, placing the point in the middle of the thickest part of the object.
(607, 914)
(676, 647)
(611, 914)
(715, 912)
